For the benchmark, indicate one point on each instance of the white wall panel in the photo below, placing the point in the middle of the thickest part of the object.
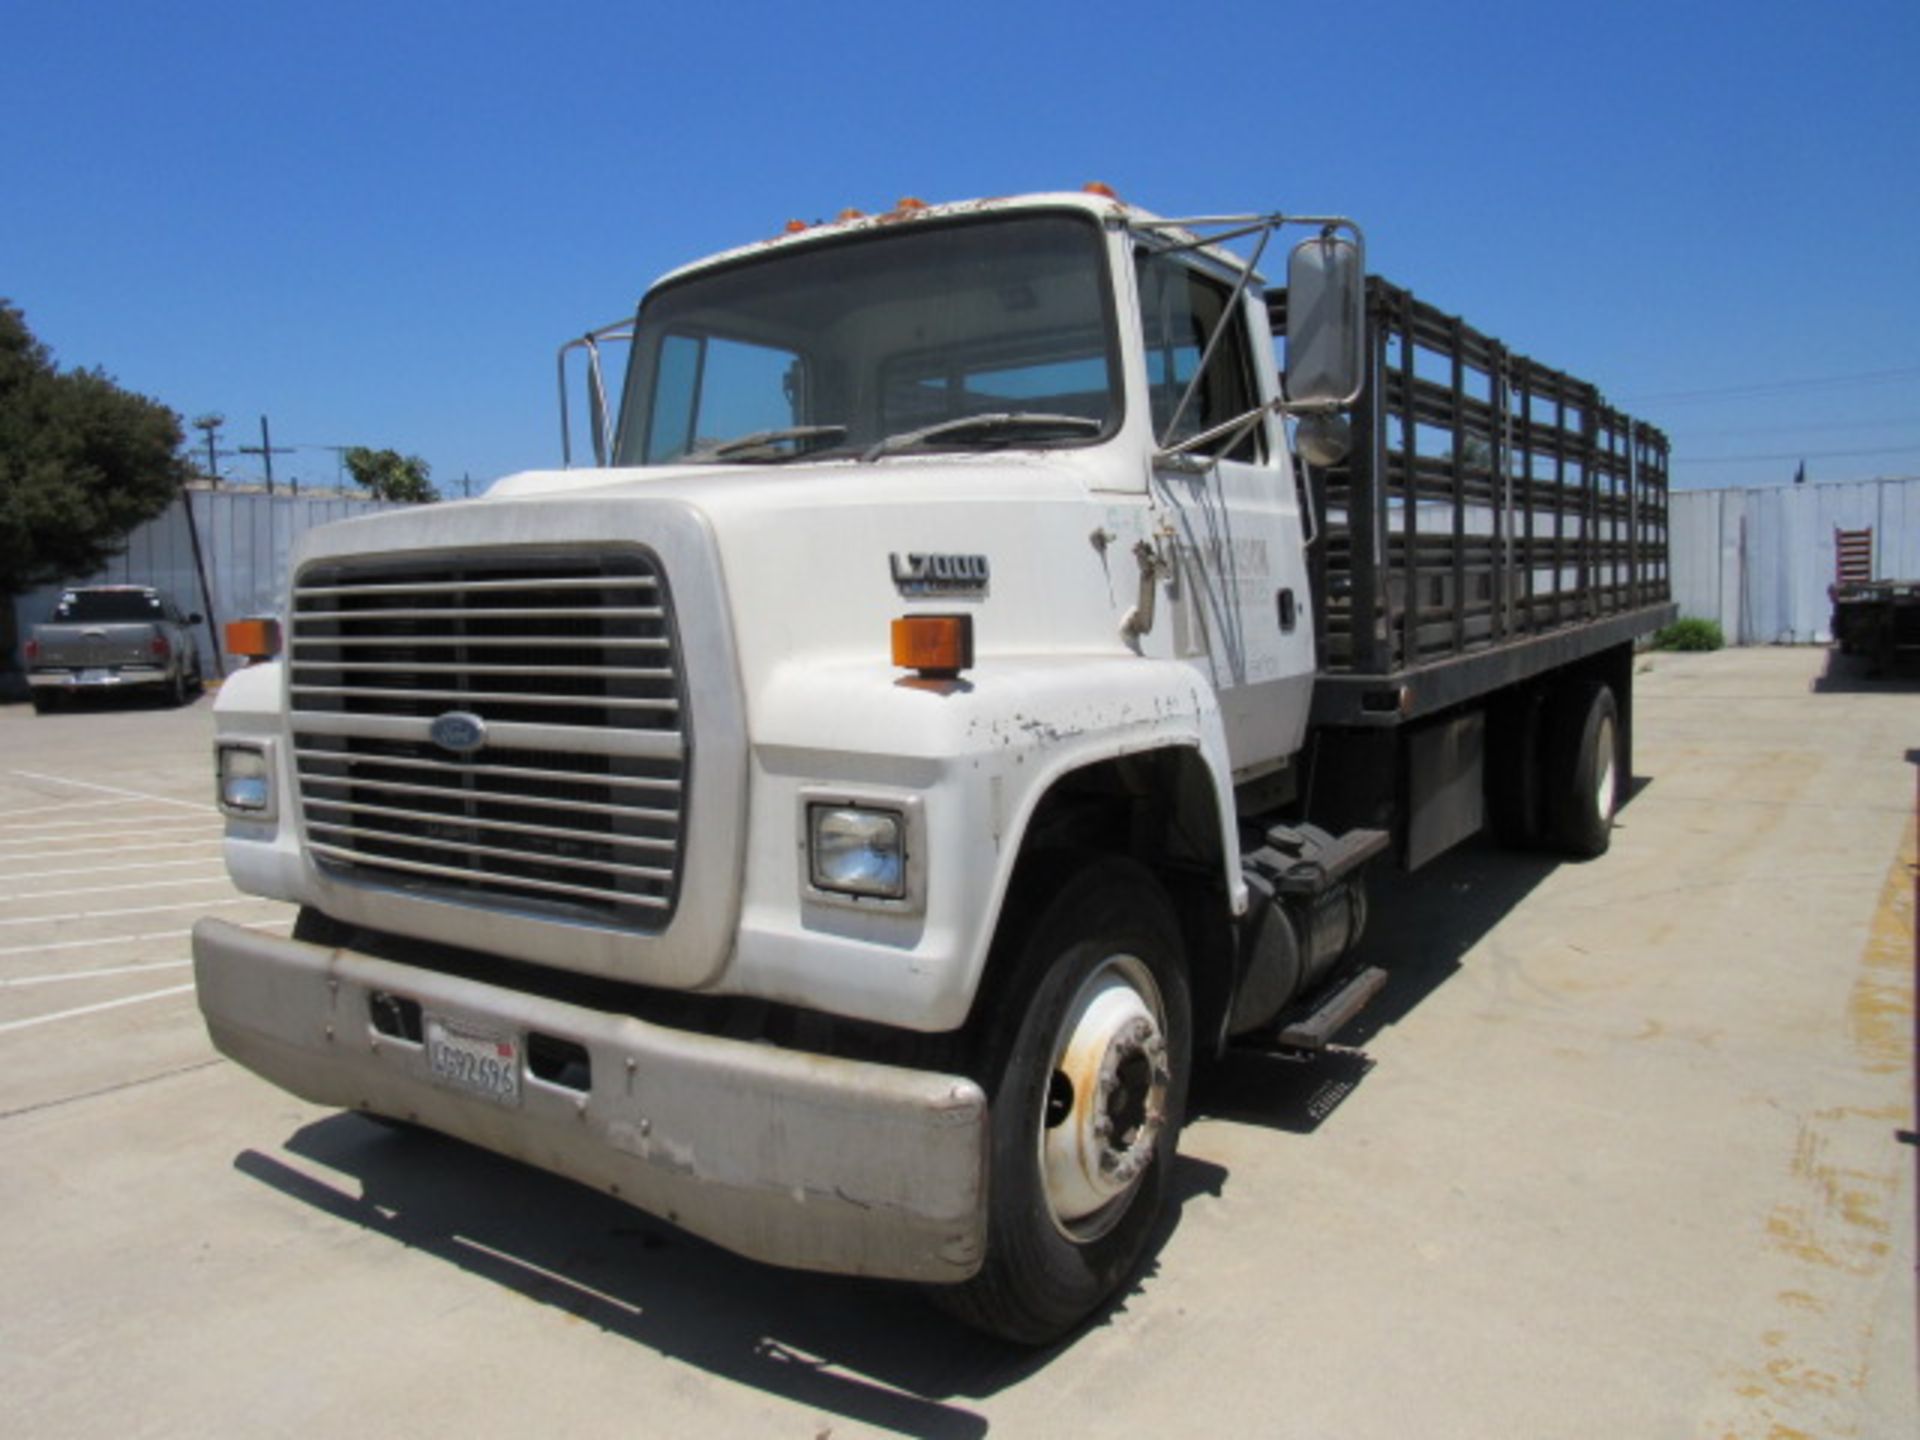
(1760, 561)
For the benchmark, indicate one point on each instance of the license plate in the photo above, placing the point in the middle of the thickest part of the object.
(96, 677)
(473, 1059)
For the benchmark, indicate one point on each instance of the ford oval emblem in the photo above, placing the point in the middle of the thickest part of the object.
(459, 731)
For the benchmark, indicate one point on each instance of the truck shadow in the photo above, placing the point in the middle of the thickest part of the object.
(1420, 928)
(870, 1351)
(1859, 675)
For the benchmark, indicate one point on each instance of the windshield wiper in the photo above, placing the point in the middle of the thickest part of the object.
(1004, 420)
(763, 438)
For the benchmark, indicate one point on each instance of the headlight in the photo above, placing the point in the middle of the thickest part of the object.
(246, 780)
(858, 852)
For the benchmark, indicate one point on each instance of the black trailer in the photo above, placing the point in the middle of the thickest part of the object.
(1879, 619)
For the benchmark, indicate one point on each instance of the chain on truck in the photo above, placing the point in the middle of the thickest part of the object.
(962, 696)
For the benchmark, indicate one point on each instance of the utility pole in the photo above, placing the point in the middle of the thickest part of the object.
(265, 451)
(200, 570)
(211, 424)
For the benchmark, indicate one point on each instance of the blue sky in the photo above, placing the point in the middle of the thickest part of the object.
(375, 222)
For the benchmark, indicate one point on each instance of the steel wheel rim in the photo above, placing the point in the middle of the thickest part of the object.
(1105, 1101)
(1604, 788)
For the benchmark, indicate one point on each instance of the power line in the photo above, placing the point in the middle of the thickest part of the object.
(1795, 455)
(1755, 389)
(1905, 421)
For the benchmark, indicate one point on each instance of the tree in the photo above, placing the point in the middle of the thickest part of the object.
(82, 462)
(389, 475)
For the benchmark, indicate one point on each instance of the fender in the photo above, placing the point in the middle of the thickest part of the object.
(971, 760)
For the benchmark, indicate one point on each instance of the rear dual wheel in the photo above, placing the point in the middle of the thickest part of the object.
(1085, 1062)
(1556, 765)
(1585, 769)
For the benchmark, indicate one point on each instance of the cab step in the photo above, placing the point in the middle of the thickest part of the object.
(1331, 1016)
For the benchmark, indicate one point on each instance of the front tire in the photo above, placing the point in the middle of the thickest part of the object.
(1085, 1060)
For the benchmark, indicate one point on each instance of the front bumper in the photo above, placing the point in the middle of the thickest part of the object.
(795, 1159)
(104, 677)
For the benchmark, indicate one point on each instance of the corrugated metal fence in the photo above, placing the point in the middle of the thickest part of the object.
(1760, 561)
(246, 539)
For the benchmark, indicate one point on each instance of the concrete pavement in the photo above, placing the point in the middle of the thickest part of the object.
(1614, 1155)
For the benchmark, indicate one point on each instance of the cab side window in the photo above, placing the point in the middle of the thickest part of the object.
(1179, 308)
(708, 389)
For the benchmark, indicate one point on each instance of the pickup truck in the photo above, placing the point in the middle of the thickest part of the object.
(113, 637)
(965, 694)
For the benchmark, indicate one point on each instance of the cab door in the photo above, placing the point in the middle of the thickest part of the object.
(1228, 508)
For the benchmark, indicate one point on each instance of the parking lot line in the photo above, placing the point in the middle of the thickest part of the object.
(55, 809)
(212, 877)
(126, 939)
(40, 829)
(86, 944)
(107, 869)
(136, 910)
(114, 790)
(13, 1025)
(135, 847)
(131, 828)
(91, 974)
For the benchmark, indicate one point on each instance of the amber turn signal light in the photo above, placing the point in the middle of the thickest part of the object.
(938, 646)
(254, 639)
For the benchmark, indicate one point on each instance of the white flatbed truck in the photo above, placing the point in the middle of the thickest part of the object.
(963, 696)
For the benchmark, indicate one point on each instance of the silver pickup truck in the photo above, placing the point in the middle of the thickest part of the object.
(111, 637)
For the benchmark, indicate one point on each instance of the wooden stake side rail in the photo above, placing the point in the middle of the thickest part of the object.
(1488, 500)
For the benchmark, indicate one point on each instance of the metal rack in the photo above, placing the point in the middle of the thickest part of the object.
(1487, 501)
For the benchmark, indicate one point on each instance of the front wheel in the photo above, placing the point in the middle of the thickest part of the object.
(1085, 1062)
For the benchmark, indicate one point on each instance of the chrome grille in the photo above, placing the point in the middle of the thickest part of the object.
(575, 804)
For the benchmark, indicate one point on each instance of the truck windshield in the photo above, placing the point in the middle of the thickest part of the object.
(956, 335)
(108, 606)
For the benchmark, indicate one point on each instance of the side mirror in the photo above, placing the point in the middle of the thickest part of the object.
(1326, 322)
(1323, 438)
(196, 618)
